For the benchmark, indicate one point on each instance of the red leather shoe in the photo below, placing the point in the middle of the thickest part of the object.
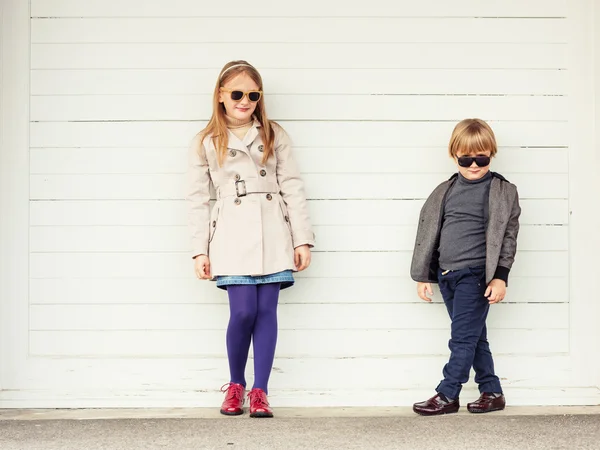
(259, 406)
(234, 399)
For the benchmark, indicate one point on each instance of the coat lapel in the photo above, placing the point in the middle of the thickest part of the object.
(235, 143)
(252, 134)
(243, 144)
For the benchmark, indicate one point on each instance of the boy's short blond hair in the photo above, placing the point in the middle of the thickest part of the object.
(472, 136)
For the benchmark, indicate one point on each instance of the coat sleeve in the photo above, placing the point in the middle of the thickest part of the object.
(509, 243)
(292, 190)
(425, 259)
(198, 197)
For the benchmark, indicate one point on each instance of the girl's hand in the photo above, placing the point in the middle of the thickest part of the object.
(302, 257)
(202, 267)
(423, 289)
(495, 291)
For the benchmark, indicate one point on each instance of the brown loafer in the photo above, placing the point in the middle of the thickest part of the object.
(487, 403)
(436, 406)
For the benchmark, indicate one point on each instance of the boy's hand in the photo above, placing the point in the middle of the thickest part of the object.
(495, 291)
(423, 289)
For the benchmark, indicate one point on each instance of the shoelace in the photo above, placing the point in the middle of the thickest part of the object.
(258, 399)
(235, 390)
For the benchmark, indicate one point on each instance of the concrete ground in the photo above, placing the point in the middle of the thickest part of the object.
(548, 428)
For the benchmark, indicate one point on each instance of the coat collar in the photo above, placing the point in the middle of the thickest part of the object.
(242, 145)
(494, 175)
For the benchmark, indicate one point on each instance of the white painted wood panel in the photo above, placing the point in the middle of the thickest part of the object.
(370, 289)
(293, 29)
(311, 8)
(310, 160)
(302, 107)
(339, 238)
(322, 212)
(291, 343)
(411, 81)
(119, 89)
(324, 265)
(358, 134)
(377, 316)
(298, 55)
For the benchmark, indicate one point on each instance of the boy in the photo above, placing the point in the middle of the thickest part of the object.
(466, 242)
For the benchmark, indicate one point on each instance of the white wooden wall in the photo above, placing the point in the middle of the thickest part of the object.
(369, 92)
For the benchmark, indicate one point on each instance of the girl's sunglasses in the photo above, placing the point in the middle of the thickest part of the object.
(236, 96)
(467, 161)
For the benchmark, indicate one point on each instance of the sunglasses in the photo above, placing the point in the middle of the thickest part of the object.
(236, 96)
(467, 161)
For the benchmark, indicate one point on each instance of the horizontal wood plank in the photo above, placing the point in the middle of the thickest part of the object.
(290, 343)
(300, 55)
(322, 212)
(318, 186)
(324, 265)
(293, 29)
(360, 134)
(310, 160)
(166, 377)
(376, 316)
(302, 107)
(311, 8)
(306, 81)
(374, 289)
(333, 238)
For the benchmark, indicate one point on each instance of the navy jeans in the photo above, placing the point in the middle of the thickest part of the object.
(463, 291)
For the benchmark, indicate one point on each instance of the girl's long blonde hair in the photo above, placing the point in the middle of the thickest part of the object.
(217, 126)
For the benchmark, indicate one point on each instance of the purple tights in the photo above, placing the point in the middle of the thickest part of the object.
(253, 315)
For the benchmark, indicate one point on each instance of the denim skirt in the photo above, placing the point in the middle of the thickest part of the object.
(285, 278)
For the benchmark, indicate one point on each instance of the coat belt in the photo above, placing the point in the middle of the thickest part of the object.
(242, 188)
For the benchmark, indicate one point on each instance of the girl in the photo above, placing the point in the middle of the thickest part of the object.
(258, 231)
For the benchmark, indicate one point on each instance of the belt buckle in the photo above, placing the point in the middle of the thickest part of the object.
(237, 188)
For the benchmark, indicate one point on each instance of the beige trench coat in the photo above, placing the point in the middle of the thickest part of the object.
(261, 213)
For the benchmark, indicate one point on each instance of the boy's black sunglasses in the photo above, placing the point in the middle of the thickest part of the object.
(467, 161)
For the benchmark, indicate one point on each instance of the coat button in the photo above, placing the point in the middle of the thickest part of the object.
(269, 197)
(232, 153)
(287, 219)
(214, 224)
(237, 177)
(263, 173)
(261, 148)
(237, 201)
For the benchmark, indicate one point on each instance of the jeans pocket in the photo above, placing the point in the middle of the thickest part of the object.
(478, 273)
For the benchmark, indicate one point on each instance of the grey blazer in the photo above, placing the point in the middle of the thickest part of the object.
(501, 231)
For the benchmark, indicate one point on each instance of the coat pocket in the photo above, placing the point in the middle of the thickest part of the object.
(214, 221)
(284, 213)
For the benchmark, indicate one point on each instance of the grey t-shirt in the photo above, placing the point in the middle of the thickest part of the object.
(462, 239)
